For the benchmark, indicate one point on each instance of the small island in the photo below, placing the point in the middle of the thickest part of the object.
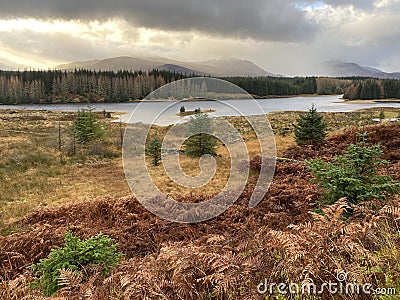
(198, 99)
(183, 112)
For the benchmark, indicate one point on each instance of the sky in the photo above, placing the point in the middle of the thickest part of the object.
(290, 37)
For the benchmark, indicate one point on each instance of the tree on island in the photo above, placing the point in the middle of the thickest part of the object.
(310, 128)
(182, 109)
(200, 143)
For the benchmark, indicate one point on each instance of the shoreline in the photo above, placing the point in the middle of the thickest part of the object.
(117, 115)
(255, 97)
(359, 101)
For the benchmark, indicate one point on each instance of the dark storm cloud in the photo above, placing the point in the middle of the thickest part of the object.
(289, 36)
(260, 19)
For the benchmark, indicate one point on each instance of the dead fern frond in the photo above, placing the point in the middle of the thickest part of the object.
(70, 283)
(215, 239)
(391, 210)
(334, 212)
(17, 288)
(293, 245)
(69, 279)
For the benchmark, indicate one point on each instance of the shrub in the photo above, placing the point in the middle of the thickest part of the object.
(74, 256)
(86, 126)
(182, 109)
(153, 150)
(354, 175)
(310, 128)
(200, 143)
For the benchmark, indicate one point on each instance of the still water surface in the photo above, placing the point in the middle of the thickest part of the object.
(164, 113)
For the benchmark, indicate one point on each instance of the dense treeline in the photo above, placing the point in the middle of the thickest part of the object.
(80, 85)
(330, 86)
(55, 86)
(368, 89)
(276, 86)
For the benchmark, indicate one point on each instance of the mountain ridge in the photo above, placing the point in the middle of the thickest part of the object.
(218, 68)
(351, 69)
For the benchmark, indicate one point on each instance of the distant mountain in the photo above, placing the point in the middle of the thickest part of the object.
(112, 64)
(180, 69)
(4, 67)
(9, 65)
(78, 65)
(345, 69)
(231, 67)
(220, 68)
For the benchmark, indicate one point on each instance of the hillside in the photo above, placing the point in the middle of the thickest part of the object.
(282, 239)
(179, 69)
(347, 69)
(219, 68)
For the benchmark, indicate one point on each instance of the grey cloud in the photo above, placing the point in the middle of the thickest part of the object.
(260, 19)
(63, 47)
(267, 21)
(364, 4)
(56, 46)
(361, 4)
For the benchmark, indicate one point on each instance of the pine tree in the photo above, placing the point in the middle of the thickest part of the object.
(200, 143)
(354, 174)
(86, 126)
(153, 150)
(310, 128)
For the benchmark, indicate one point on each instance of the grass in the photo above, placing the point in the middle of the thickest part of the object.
(191, 167)
(35, 172)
